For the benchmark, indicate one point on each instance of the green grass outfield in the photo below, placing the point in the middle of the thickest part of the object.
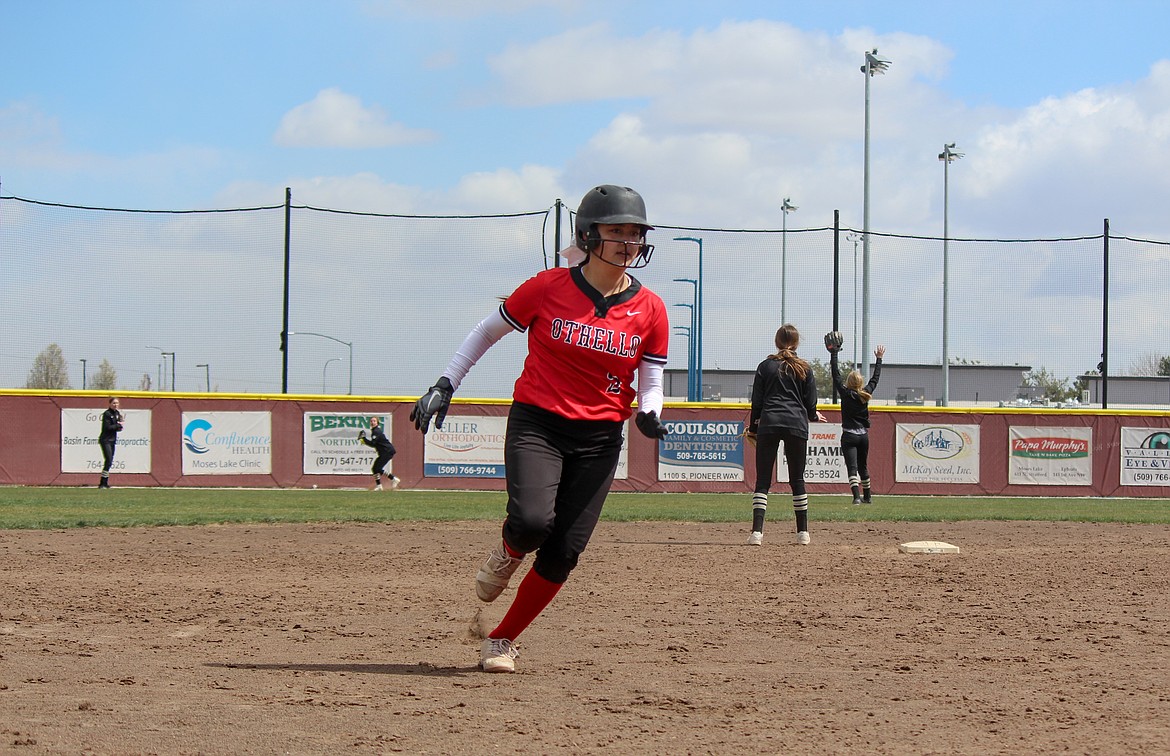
(57, 507)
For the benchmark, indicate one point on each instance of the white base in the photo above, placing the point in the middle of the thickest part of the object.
(928, 547)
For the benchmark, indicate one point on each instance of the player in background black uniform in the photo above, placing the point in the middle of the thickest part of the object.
(385, 449)
(108, 438)
(855, 417)
(784, 400)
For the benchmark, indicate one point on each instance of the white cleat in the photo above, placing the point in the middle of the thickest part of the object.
(802, 538)
(498, 655)
(755, 539)
(493, 577)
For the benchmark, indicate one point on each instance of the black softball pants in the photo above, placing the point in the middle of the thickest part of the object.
(558, 472)
(768, 448)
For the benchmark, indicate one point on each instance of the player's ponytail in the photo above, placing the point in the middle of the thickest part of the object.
(787, 340)
(854, 382)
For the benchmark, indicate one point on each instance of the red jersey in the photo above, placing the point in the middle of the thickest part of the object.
(583, 349)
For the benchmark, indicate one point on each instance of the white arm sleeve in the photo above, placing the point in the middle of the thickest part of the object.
(490, 330)
(650, 387)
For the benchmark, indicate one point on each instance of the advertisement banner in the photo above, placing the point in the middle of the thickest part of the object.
(80, 452)
(824, 463)
(472, 446)
(1145, 456)
(1050, 456)
(701, 450)
(936, 453)
(332, 447)
(227, 443)
(467, 446)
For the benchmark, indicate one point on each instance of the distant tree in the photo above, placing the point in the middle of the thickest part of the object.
(144, 384)
(1049, 386)
(106, 378)
(824, 376)
(49, 370)
(1151, 364)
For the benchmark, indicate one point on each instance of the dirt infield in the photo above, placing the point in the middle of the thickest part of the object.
(670, 638)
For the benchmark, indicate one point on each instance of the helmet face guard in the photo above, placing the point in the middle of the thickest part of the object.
(612, 205)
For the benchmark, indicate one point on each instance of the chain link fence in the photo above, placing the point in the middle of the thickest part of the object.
(376, 304)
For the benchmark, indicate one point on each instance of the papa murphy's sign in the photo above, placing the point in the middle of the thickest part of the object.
(1050, 456)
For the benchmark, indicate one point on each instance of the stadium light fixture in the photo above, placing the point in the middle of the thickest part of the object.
(698, 334)
(873, 65)
(692, 387)
(786, 207)
(947, 156)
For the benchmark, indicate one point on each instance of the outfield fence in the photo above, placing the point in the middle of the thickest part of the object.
(374, 304)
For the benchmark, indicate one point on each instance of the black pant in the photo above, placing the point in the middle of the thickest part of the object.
(855, 449)
(767, 449)
(107, 445)
(381, 460)
(559, 472)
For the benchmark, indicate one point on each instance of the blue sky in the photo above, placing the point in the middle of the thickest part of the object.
(181, 104)
(713, 110)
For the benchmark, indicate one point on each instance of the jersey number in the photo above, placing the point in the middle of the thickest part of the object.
(615, 384)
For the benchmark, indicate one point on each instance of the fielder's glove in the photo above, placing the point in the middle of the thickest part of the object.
(650, 425)
(834, 340)
(362, 435)
(750, 437)
(435, 402)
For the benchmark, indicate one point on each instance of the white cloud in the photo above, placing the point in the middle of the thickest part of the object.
(336, 119)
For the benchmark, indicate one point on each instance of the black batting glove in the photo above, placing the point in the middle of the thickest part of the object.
(650, 425)
(435, 403)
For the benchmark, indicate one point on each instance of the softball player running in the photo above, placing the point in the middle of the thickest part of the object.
(590, 328)
(784, 400)
(855, 416)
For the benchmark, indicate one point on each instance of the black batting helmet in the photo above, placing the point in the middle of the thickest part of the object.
(607, 204)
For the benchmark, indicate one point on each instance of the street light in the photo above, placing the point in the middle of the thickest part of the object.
(686, 331)
(873, 66)
(166, 354)
(698, 334)
(207, 373)
(690, 355)
(83, 374)
(787, 207)
(324, 368)
(348, 344)
(692, 387)
(947, 156)
(854, 237)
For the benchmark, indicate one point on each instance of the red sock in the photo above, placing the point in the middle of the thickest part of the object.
(533, 595)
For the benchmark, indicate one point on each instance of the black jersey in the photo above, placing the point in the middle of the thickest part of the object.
(854, 409)
(781, 401)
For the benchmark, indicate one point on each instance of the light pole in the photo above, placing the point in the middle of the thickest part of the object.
(854, 237)
(207, 374)
(348, 344)
(692, 386)
(787, 207)
(690, 356)
(698, 334)
(947, 156)
(686, 331)
(83, 374)
(326, 367)
(165, 354)
(873, 66)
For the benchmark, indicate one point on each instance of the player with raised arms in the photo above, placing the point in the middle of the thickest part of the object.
(590, 327)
